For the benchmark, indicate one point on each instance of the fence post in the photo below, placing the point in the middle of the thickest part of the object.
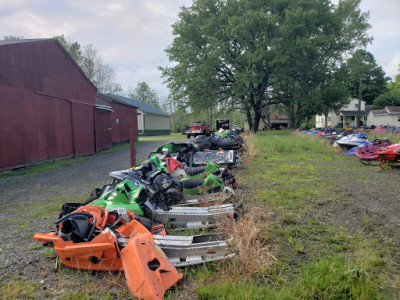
(132, 145)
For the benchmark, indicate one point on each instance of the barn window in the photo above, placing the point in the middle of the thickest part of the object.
(356, 105)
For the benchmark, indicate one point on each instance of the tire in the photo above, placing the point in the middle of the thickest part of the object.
(188, 136)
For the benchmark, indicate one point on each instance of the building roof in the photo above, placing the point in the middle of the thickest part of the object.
(23, 41)
(354, 113)
(387, 110)
(379, 111)
(393, 109)
(147, 108)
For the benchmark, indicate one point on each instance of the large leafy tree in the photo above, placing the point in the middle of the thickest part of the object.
(363, 72)
(144, 93)
(255, 53)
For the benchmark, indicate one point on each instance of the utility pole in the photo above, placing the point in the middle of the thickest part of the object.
(359, 101)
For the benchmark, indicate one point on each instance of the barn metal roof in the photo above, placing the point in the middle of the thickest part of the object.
(12, 42)
(147, 108)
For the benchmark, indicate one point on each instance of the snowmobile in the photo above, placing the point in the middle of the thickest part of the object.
(350, 141)
(389, 154)
(366, 153)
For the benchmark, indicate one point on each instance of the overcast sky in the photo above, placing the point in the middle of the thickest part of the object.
(131, 35)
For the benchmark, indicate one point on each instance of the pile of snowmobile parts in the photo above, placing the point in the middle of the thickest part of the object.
(88, 239)
(123, 225)
(94, 238)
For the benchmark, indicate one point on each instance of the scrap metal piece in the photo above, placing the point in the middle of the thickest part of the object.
(185, 251)
(193, 200)
(223, 158)
(179, 217)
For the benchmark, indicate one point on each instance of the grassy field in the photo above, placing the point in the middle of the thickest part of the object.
(288, 180)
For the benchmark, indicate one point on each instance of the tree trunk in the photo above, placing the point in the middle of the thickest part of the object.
(248, 115)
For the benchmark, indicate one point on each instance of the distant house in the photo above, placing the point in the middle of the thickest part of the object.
(150, 120)
(347, 116)
(389, 116)
(274, 120)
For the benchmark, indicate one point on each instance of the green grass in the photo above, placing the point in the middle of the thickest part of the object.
(292, 178)
(60, 163)
(141, 140)
(43, 167)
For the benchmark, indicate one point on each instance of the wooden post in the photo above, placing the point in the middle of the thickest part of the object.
(132, 148)
(358, 123)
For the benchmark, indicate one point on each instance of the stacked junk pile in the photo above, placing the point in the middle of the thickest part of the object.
(377, 152)
(127, 223)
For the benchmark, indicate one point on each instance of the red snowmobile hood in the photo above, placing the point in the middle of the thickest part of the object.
(392, 149)
(173, 164)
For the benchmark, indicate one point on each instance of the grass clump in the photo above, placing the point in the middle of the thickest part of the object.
(43, 167)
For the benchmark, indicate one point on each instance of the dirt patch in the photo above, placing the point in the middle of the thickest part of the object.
(368, 199)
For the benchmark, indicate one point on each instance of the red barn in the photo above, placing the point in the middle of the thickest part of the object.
(47, 104)
(122, 118)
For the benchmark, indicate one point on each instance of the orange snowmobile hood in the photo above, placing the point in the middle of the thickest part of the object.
(148, 271)
(100, 254)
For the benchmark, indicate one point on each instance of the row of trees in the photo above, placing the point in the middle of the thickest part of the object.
(256, 54)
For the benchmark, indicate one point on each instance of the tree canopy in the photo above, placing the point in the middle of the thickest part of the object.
(256, 53)
(362, 66)
(144, 93)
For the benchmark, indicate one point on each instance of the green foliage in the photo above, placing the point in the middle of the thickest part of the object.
(363, 64)
(144, 93)
(255, 53)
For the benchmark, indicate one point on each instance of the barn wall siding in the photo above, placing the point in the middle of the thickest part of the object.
(103, 129)
(46, 105)
(121, 119)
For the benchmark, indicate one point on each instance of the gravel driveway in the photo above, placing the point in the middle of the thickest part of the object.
(27, 206)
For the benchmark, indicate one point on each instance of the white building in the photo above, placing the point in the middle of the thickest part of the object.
(347, 116)
(389, 116)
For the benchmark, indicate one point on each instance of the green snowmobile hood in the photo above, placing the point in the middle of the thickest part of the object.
(171, 147)
(210, 182)
(125, 194)
(222, 134)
